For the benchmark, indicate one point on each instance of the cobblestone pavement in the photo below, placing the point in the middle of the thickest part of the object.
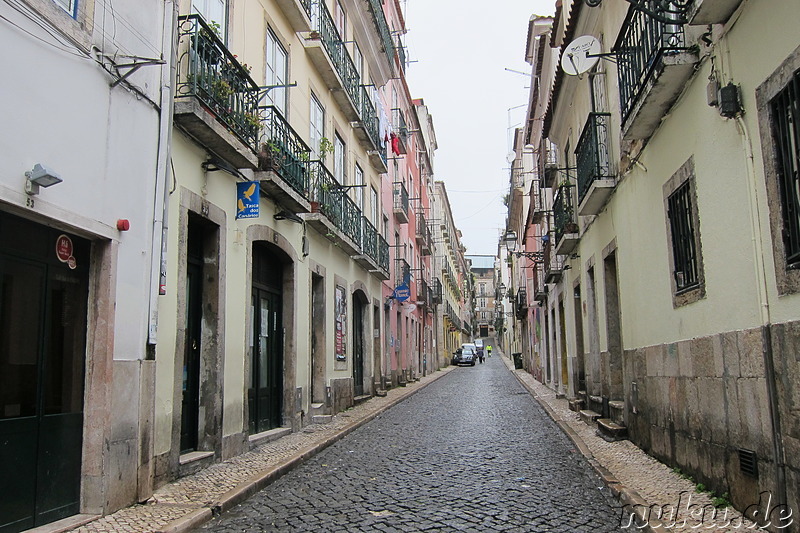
(644, 485)
(471, 452)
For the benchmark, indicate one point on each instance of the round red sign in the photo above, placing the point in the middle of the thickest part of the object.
(63, 248)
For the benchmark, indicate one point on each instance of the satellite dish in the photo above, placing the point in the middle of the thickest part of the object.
(580, 55)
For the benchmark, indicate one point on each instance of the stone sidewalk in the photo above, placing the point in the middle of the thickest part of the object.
(638, 482)
(192, 500)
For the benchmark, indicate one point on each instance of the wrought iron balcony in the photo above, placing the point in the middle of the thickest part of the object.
(712, 11)
(332, 60)
(653, 65)
(553, 265)
(521, 303)
(402, 271)
(566, 227)
(284, 162)
(342, 217)
(400, 203)
(216, 100)
(423, 292)
(437, 291)
(595, 177)
(383, 253)
(423, 235)
(298, 13)
(401, 53)
(370, 132)
(379, 18)
(548, 163)
(399, 131)
(370, 257)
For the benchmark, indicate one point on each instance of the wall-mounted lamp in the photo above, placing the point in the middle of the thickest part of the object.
(287, 215)
(40, 176)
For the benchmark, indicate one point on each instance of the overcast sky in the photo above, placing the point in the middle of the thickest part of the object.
(460, 50)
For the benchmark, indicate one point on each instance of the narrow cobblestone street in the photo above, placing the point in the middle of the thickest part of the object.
(471, 452)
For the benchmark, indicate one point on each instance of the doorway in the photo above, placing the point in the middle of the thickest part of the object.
(265, 395)
(43, 309)
(359, 315)
(190, 388)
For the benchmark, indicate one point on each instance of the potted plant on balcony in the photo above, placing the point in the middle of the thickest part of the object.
(272, 156)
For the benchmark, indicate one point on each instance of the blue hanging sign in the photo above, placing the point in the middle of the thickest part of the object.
(402, 293)
(247, 199)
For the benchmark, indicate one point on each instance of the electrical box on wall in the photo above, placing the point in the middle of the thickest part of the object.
(730, 103)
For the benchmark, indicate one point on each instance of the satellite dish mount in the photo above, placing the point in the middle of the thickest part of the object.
(581, 55)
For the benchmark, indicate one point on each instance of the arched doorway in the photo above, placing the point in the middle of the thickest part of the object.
(265, 392)
(360, 316)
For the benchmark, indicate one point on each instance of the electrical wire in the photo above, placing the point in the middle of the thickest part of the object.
(61, 48)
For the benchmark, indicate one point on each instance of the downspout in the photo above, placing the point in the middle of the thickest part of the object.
(158, 270)
(766, 320)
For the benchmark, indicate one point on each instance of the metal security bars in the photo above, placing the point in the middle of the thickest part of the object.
(401, 200)
(786, 131)
(383, 29)
(326, 28)
(208, 71)
(592, 153)
(684, 245)
(643, 43)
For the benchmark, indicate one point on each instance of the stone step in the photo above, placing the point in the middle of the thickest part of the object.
(321, 419)
(616, 410)
(577, 404)
(589, 417)
(381, 392)
(610, 430)
(361, 399)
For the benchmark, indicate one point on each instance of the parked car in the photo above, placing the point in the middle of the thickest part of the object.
(465, 356)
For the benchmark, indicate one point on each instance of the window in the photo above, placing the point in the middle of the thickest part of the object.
(685, 255)
(213, 12)
(358, 61)
(340, 19)
(277, 72)
(786, 131)
(359, 191)
(339, 160)
(316, 125)
(373, 204)
(70, 6)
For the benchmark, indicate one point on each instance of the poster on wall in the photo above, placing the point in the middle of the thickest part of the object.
(341, 323)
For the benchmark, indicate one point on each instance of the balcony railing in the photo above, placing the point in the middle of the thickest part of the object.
(323, 24)
(402, 271)
(337, 207)
(401, 53)
(564, 212)
(521, 303)
(401, 202)
(379, 18)
(593, 162)
(209, 72)
(383, 253)
(423, 292)
(369, 118)
(369, 239)
(548, 163)
(641, 48)
(284, 152)
(423, 235)
(400, 130)
(437, 291)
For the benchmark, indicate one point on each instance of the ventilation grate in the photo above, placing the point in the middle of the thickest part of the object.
(748, 462)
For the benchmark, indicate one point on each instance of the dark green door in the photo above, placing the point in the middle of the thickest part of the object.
(265, 395)
(42, 357)
(358, 348)
(190, 389)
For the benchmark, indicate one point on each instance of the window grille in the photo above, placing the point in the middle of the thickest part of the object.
(786, 130)
(684, 244)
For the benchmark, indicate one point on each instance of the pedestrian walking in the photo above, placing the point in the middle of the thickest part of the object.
(480, 355)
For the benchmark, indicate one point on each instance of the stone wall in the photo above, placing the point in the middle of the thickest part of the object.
(694, 404)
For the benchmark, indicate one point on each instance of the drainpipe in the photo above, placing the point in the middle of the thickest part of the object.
(158, 270)
(766, 328)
